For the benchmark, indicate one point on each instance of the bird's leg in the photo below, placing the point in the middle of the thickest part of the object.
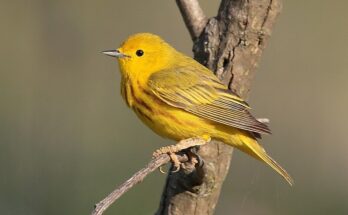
(175, 161)
(183, 144)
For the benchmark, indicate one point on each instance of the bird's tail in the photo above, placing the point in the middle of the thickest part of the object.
(253, 148)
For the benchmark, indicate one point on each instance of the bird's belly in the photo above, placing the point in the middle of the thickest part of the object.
(174, 123)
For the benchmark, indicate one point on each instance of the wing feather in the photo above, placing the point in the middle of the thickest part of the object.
(202, 94)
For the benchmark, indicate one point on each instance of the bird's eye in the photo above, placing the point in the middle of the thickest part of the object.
(139, 53)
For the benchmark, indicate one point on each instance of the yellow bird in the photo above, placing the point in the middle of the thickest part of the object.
(180, 99)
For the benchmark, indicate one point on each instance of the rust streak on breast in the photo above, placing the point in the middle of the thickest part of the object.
(140, 101)
(143, 114)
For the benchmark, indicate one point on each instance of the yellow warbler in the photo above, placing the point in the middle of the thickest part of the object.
(178, 98)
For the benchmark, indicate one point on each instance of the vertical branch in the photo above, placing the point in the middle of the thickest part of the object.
(193, 16)
(229, 44)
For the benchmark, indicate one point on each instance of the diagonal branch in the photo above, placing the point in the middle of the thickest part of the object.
(138, 177)
(193, 16)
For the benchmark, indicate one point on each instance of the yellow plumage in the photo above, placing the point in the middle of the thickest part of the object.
(178, 98)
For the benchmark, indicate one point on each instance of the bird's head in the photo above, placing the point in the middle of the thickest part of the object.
(143, 54)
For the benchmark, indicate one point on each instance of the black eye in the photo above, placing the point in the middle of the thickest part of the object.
(139, 53)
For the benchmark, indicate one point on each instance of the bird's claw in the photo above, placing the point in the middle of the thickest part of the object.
(194, 157)
(200, 161)
(177, 168)
(175, 162)
(161, 170)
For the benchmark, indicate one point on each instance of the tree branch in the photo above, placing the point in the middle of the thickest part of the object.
(193, 16)
(138, 177)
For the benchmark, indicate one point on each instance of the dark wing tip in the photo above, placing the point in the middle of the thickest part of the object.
(262, 127)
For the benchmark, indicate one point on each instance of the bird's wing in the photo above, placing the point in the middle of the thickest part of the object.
(202, 94)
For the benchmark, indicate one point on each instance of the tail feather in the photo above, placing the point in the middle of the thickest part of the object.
(253, 148)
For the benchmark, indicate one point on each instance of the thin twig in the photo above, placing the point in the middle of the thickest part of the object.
(138, 177)
(193, 16)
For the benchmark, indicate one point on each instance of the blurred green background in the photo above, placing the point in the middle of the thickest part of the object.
(67, 138)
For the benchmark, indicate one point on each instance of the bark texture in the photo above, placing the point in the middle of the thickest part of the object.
(230, 44)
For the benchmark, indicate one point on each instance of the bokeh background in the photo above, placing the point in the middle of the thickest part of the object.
(67, 138)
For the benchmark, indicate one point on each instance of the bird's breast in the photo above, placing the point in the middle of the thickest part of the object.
(165, 120)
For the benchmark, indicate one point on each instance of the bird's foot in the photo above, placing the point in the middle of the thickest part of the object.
(194, 158)
(183, 144)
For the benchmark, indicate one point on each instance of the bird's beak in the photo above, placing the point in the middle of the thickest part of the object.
(114, 53)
